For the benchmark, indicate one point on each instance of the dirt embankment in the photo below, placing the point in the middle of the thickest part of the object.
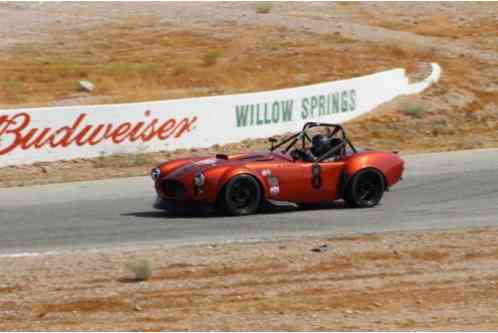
(444, 280)
(163, 51)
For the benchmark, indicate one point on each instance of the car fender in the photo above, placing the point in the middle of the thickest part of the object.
(229, 173)
(389, 164)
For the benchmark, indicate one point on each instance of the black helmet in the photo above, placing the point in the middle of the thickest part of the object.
(321, 144)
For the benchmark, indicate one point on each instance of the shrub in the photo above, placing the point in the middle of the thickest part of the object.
(264, 8)
(15, 90)
(211, 58)
(414, 111)
(141, 269)
(180, 70)
(142, 160)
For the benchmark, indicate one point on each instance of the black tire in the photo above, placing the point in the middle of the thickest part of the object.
(241, 196)
(365, 189)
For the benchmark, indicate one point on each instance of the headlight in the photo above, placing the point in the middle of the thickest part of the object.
(155, 173)
(199, 180)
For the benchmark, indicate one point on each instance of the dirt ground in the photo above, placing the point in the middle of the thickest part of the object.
(136, 52)
(444, 280)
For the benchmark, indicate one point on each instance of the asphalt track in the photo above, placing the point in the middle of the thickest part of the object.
(439, 191)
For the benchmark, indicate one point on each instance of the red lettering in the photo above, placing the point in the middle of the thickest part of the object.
(148, 137)
(37, 142)
(134, 134)
(79, 138)
(15, 132)
(65, 140)
(166, 129)
(186, 125)
(92, 141)
(119, 134)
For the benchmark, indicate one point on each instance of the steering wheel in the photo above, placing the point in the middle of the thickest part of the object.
(297, 154)
(300, 154)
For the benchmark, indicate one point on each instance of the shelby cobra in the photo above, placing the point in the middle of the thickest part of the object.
(302, 169)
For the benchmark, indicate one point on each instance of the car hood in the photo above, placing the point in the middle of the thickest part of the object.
(203, 164)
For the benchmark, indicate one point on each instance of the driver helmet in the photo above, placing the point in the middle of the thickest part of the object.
(321, 144)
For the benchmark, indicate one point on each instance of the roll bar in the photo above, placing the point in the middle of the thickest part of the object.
(303, 136)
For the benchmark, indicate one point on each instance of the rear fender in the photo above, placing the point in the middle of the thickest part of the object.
(390, 165)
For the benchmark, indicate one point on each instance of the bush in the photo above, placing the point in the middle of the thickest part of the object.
(14, 90)
(263, 8)
(211, 58)
(141, 269)
(414, 111)
(180, 70)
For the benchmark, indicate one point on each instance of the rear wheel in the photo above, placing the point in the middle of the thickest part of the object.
(365, 189)
(241, 195)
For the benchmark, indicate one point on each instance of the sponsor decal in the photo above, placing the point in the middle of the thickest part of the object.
(264, 114)
(266, 172)
(281, 111)
(17, 132)
(329, 104)
(274, 185)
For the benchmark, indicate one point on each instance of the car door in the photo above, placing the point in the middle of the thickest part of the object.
(330, 172)
(308, 182)
(294, 181)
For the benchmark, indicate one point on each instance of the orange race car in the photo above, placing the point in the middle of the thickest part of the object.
(317, 165)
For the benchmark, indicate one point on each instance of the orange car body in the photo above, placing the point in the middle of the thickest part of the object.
(282, 179)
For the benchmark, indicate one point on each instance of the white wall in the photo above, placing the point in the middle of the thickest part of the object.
(57, 133)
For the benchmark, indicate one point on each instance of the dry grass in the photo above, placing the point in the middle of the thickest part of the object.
(413, 110)
(124, 161)
(131, 64)
(211, 58)
(443, 26)
(263, 8)
(89, 305)
(392, 281)
(141, 269)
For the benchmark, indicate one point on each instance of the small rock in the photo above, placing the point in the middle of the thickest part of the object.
(378, 304)
(321, 248)
(86, 86)
(137, 308)
(419, 301)
(348, 312)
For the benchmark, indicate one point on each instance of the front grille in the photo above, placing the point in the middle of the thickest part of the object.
(173, 189)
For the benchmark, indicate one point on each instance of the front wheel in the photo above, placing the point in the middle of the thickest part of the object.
(365, 189)
(241, 195)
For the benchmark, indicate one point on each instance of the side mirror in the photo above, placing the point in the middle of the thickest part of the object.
(272, 141)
